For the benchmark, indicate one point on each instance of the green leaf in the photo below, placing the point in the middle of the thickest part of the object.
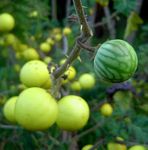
(133, 23)
(124, 6)
(103, 2)
(144, 107)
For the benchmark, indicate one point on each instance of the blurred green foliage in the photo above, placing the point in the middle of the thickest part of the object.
(129, 119)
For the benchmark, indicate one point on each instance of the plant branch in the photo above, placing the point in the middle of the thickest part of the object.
(85, 35)
(110, 23)
(98, 143)
(86, 47)
(77, 137)
(54, 9)
(8, 126)
(67, 8)
(104, 21)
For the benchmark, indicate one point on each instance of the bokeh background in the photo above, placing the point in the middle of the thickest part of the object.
(37, 22)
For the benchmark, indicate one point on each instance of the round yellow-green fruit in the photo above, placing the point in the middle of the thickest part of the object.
(9, 108)
(45, 47)
(48, 84)
(75, 86)
(116, 146)
(87, 147)
(62, 61)
(64, 81)
(73, 113)
(22, 47)
(137, 147)
(106, 110)
(31, 54)
(50, 41)
(36, 109)
(10, 39)
(47, 59)
(87, 81)
(34, 14)
(67, 31)
(58, 37)
(56, 31)
(71, 73)
(7, 22)
(34, 74)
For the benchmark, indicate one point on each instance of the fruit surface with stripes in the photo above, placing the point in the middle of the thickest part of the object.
(115, 61)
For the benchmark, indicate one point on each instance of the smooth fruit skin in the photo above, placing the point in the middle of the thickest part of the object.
(106, 110)
(58, 37)
(36, 109)
(31, 54)
(7, 22)
(71, 73)
(50, 41)
(87, 81)
(115, 61)
(73, 113)
(47, 59)
(137, 147)
(34, 74)
(48, 84)
(62, 61)
(45, 47)
(75, 86)
(116, 146)
(67, 31)
(87, 147)
(8, 109)
(10, 39)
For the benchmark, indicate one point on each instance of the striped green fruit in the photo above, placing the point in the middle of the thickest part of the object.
(115, 61)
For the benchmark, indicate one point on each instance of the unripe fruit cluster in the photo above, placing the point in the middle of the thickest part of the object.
(35, 108)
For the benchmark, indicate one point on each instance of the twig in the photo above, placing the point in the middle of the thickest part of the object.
(85, 35)
(65, 45)
(86, 47)
(96, 107)
(129, 143)
(104, 21)
(73, 143)
(54, 9)
(96, 145)
(65, 136)
(5, 92)
(67, 7)
(77, 137)
(54, 140)
(110, 23)
(8, 126)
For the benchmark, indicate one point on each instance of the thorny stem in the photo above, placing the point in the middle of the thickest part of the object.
(85, 35)
(86, 47)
